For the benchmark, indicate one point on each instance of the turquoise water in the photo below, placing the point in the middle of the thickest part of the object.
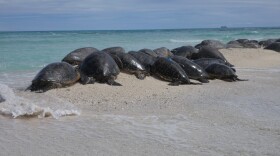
(28, 52)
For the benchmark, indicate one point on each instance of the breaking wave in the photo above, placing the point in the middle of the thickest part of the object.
(16, 106)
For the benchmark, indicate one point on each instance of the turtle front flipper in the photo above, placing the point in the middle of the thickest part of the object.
(175, 83)
(111, 81)
(86, 80)
(203, 80)
(140, 75)
(43, 86)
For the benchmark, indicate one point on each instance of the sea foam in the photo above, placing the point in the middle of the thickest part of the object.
(16, 106)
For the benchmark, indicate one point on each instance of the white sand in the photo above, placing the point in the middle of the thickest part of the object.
(148, 117)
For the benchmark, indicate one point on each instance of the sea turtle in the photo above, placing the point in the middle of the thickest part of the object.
(193, 70)
(205, 62)
(130, 65)
(54, 75)
(149, 52)
(77, 56)
(211, 43)
(209, 52)
(163, 52)
(234, 44)
(223, 72)
(169, 70)
(185, 51)
(274, 46)
(99, 67)
(267, 42)
(146, 60)
(114, 50)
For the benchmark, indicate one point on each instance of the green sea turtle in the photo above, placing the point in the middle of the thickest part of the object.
(163, 52)
(146, 60)
(169, 70)
(77, 56)
(274, 46)
(54, 75)
(223, 72)
(205, 62)
(193, 70)
(130, 65)
(99, 67)
(114, 50)
(149, 52)
(211, 43)
(184, 51)
(209, 52)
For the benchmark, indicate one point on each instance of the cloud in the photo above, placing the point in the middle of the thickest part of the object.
(135, 14)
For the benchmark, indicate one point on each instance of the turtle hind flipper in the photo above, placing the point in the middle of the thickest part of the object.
(140, 75)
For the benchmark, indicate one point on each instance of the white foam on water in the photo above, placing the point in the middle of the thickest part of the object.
(17, 106)
(184, 41)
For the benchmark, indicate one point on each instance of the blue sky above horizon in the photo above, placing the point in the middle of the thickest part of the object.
(26, 15)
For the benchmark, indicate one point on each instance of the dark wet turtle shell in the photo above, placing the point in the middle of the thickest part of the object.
(169, 70)
(77, 56)
(223, 72)
(114, 50)
(54, 75)
(193, 70)
(146, 60)
(205, 62)
(163, 52)
(209, 52)
(100, 67)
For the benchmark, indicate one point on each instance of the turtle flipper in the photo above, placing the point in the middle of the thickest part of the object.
(203, 80)
(85, 79)
(112, 82)
(140, 75)
(175, 83)
(237, 79)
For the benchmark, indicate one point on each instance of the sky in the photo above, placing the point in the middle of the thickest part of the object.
(33, 15)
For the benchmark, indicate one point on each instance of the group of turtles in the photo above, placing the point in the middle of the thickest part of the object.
(89, 65)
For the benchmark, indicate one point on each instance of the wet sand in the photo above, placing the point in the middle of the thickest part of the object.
(149, 117)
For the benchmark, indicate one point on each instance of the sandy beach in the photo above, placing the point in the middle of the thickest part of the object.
(149, 117)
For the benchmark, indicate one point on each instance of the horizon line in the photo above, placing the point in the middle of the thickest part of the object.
(150, 29)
